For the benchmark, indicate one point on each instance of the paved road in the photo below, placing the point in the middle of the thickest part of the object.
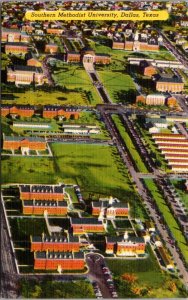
(149, 203)
(95, 273)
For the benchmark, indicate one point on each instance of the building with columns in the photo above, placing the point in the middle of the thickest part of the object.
(110, 208)
(25, 75)
(125, 245)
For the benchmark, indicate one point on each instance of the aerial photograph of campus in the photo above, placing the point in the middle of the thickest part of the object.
(94, 152)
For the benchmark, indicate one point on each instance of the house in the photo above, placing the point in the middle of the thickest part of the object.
(55, 242)
(110, 208)
(48, 260)
(39, 207)
(86, 225)
(16, 48)
(24, 143)
(147, 69)
(54, 31)
(51, 48)
(184, 22)
(125, 246)
(14, 35)
(32, 60)
(52, 111)
(41, 192)
(25, 75)
(169, 83)
(18, 110)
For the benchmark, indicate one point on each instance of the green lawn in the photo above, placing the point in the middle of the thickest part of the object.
(181, 190)
(39, 97)
(75, 77)
(27, 170)
(95, 168)
(168, 216)
(72, 194)
(119, 85)
(132, 150)
(22, 228)
(149, 277)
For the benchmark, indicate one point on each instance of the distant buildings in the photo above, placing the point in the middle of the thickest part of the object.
(25, 75)
(16, 48)
(135, 42)
(11, 35)
(125, 246)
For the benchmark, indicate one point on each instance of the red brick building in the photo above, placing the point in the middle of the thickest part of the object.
(39, 207)
(16, 48)
(147, 69)
(86, 225)
(41, 192)
(168, 83)
(110, 209)
(55, 31)
(135, 42)
(51, 112)
(55, 242)
(14, 35)
(18, 110)
(24, 143)
(32, 60)
(59, 261)
(25, 75)
(51, 48)
(88, 55)
(125, 246)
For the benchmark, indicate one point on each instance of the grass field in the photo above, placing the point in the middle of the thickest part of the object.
(133, 151)
(96, 168)
(119, 85)
(75, 77)
(149, 276)
(72, 194)
(27, 170)
(168, 216)
(49, 98)
(22, 228)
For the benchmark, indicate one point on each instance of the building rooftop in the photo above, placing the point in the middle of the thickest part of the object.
(46, 203)
(55, 238)
(16, 44)
(26, 68)
(169, 78)
(121, 240)
(24, 107)
(20, 138)
(59, 255)
(84, 221)
(41, 189)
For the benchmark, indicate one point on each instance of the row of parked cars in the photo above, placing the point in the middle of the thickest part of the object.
(78, 194)
(109, 281)
(97, 290)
